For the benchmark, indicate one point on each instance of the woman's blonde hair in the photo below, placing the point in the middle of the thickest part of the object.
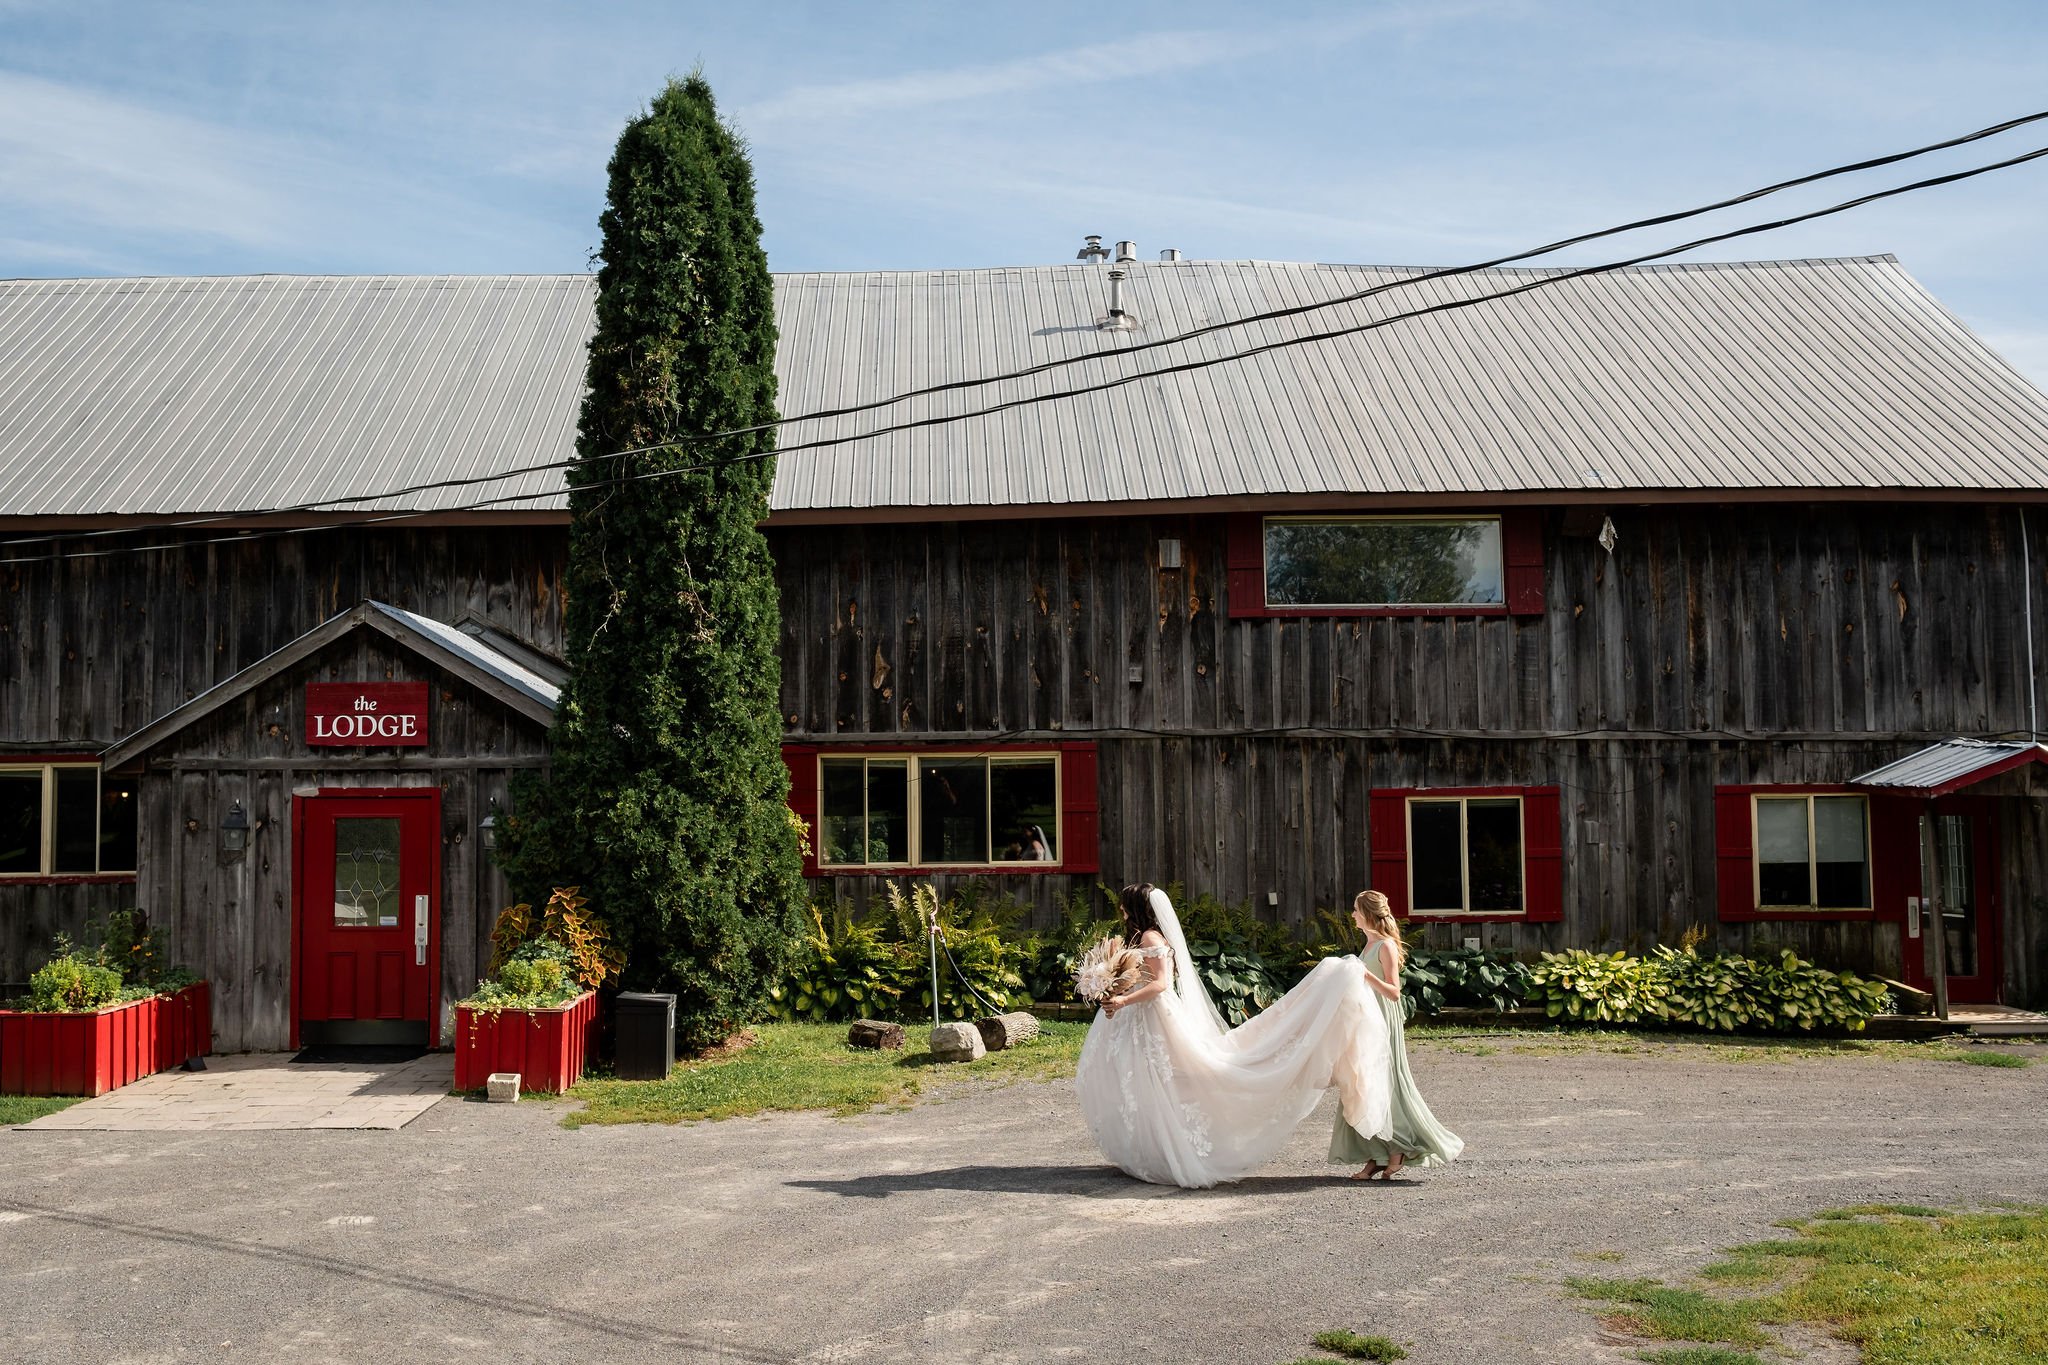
(1378, 913)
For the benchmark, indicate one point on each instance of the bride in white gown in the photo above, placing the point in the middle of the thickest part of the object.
(1176, 1097)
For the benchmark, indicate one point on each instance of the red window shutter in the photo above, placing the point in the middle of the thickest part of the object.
(1080, 810)
(1543, 854)
(1521, 547)
(1245, 557)
(1389, 836)
(802, 761)
(1734, 855)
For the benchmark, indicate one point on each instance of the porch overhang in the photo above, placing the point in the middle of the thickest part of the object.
(1950, 766)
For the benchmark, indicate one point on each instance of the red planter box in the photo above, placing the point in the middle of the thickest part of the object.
(546, 1047)
(92, 1053)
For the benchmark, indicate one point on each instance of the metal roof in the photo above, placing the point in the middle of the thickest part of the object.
(1951, 765)
(153, 396)
(472, 649)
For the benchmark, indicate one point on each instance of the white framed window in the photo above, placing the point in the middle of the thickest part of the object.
(1812, 851)
(64, 819)
(938, 809)
(1465, 855)
(1384, 561)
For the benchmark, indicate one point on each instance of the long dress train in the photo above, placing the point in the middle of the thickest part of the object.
(1174, 1097)
(1414, 1130)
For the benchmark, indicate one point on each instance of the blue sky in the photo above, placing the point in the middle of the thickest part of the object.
(232, 137)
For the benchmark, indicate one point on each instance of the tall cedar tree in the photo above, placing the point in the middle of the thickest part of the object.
(667, 796)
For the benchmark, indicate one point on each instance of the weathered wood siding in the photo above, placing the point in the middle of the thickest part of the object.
(1715, 645)
(93, 649)
(230, 915)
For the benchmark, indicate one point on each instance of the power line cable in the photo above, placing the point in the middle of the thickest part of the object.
(1044, 367)
(1542, 282)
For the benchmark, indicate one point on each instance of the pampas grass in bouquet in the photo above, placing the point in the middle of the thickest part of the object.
(1107, 969)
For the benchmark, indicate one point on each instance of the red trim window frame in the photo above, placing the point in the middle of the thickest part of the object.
(1888, 828)
(1079, 832)
(46, 764)
(1542, 852)
(1521, 549)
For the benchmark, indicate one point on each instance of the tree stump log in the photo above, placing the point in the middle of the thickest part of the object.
(874, 1033)
(1000, 1031)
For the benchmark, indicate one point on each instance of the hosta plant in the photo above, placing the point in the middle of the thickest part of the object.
(1583, 987)
(1807, 997)
(1463, 978)
(846, 969)
(1240, 979)
(978, 962)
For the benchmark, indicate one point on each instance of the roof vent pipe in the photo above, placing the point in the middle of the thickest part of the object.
(1092, 248)
(1170, 254)
(1116, 319)
(1126, 253)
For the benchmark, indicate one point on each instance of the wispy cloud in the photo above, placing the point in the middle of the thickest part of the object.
(1129, 58)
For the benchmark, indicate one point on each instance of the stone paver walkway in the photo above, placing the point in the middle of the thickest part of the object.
(266, 1090)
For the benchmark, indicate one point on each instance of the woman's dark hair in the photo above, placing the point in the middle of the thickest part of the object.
(1138, 916)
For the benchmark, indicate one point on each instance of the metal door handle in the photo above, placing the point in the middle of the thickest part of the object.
(419, 930)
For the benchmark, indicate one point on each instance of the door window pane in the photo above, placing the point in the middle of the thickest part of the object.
(1783, 869)
(953, 810)
(843, 811)
(75, 845)
(1435, 858)
(1493, 838)
(1958, 894)
(365, 872)
(21, 821)
(1024, 811)
(1841, 866)
(1390, 561)
(117, 825)
(888, 811)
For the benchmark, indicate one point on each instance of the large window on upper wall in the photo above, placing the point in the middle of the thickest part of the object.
(64, 819)
(938, 810)
(1812, 852)
(1394, 561)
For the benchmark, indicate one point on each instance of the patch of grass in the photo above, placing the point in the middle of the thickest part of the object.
(16, 1109)
(1978, 1057)
(1352, 1346)
(1649, 1308)
(1909, 1285)
(1608, 1256)
(1700, 1355)
(809, 1066)
(1706, 1047)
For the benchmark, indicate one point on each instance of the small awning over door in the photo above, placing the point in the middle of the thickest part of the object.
(1950, 766)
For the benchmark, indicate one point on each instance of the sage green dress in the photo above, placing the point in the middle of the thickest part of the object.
(1417, 1136)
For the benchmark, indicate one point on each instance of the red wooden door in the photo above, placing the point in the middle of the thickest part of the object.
(1971, 925)
(366, 893)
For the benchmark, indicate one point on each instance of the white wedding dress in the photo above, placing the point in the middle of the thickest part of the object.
(1175, 1097)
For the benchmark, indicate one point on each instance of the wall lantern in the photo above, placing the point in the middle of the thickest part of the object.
(234, 830)
(487, 829)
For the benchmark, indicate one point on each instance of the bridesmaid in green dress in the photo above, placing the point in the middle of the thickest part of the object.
(1417, 1137)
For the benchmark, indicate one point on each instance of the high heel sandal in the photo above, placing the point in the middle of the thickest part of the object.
(1372, 1169)
(1387, 1177)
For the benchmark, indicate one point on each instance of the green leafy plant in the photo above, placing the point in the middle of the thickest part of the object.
(1051, 957)
(566, 921)
(1463, 978)
(73, 983)
(540, 974)
(1241, 980)
(847, 969)
(977, 932)
(1584, 987)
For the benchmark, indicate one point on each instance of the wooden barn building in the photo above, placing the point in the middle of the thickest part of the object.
(1689, 596)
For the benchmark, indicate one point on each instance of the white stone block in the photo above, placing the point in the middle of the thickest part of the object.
(957, 1043)
(504, 1087)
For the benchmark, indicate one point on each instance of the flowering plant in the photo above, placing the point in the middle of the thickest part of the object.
(1107, 969)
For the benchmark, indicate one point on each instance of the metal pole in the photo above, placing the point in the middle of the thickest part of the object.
(932, 934)
(1934, 928)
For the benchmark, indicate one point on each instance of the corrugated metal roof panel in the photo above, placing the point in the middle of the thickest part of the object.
(1950, 764)
(159, 396)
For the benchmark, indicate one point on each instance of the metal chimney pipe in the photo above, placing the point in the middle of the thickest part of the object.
(1091, 248)
(1116, 295)
(1126, 252)
(1170, 254)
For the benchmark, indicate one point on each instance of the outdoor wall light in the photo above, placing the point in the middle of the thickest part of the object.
(487, 829)
(234, 830)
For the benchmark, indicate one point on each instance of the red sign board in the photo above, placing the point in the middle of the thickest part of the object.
(357, 715)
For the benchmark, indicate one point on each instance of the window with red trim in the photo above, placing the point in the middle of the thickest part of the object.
(891, 809)
(1440, 564)
(1793, 851)
(1469, 853)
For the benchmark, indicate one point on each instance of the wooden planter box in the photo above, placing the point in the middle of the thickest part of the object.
(546, 1047)
(101, 1050)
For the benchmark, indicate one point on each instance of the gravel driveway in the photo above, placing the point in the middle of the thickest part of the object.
(979, 1228)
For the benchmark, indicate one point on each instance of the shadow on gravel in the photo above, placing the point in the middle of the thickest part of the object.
(1093, 1182)
(507, 1305)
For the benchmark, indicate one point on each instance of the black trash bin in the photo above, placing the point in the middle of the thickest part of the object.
(644, 1036)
